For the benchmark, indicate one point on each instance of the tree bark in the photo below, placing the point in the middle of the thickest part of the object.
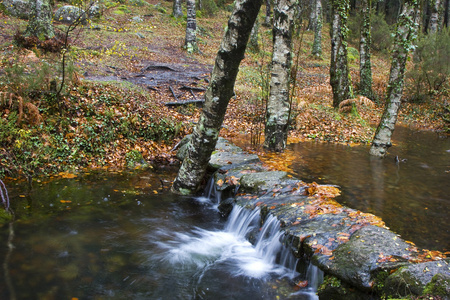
(190, 42)
(40, 22)
(312, 15)
(317, 44)
(253, 42)
(177, 12)
(339, 73)
(406, 33)
(434, 24)
(217, 96)
(365, 65)
(267, 20)
(278, 105)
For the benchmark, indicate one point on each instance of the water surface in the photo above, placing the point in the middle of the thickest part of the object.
(411, 193)
(124, 236)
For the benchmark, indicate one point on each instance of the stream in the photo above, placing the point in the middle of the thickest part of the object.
(411, 194)
(125, 236)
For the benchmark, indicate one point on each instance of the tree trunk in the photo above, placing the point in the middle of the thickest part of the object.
(40, 22)
(365, 66)
(217, 96)
(312, 15)
(267, 20)
(317, 44)
(405, 35)
(436, 12)
(339, 73)
(177, 12)
(278, 105)
(253, 43)
(190, 42)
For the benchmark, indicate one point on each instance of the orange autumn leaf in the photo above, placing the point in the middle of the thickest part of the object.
(67, 175)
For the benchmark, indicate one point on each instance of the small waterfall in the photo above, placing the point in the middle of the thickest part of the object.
(211, 192)
(247, 247)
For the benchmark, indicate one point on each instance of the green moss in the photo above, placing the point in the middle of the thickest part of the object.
(438, 286)
(5, 216)
(330, 281)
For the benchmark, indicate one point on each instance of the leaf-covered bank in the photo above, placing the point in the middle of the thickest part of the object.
(115, 124)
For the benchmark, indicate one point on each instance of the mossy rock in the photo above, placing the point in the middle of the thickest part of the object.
(417, 279)
(334, 289)
(438, 286)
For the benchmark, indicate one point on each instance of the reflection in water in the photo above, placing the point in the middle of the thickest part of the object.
(122, 236)
(409, 189)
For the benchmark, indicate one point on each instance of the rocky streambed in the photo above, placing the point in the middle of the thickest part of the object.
(360, 256)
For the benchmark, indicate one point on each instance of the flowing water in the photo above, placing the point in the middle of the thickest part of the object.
(124, 236)
(410, 193)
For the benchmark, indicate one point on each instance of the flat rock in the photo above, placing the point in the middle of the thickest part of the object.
(414, 279)
(360, 259)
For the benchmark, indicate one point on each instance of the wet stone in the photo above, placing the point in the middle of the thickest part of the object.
(415, 277)
(254, 182)
(358, 260)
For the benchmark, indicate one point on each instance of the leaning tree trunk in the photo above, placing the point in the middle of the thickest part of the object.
(317, 44)
(278, 105)
(177, 12)
(190, 42)
(339, 73)
(217, 96)
(365, 66)
(40, 22)
(405, 35)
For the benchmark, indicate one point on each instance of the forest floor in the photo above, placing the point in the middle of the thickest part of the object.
(131, 62)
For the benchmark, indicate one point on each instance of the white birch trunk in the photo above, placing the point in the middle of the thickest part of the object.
(278, 106)
(190, 42)
(177, 12)
(339, 73)
(317, 44)
(406, 33)
(365, 66)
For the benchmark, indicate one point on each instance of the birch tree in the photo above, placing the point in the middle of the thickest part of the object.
(406, 32)
(40, 21)
(217, 96)
(190, 42)
(317, 44)
(339, 73)
(267, 19)
(278, 104)
(437, 10)
(365, 65)
(177, 12)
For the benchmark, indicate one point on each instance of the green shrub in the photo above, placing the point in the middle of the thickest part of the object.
(382, 38)
(209, 7)
(352, 54)
(430, 75)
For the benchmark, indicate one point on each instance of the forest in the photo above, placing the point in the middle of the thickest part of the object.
(75, 100)
(113, 113)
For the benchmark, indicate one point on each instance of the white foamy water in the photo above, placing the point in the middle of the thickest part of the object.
(230, 248)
